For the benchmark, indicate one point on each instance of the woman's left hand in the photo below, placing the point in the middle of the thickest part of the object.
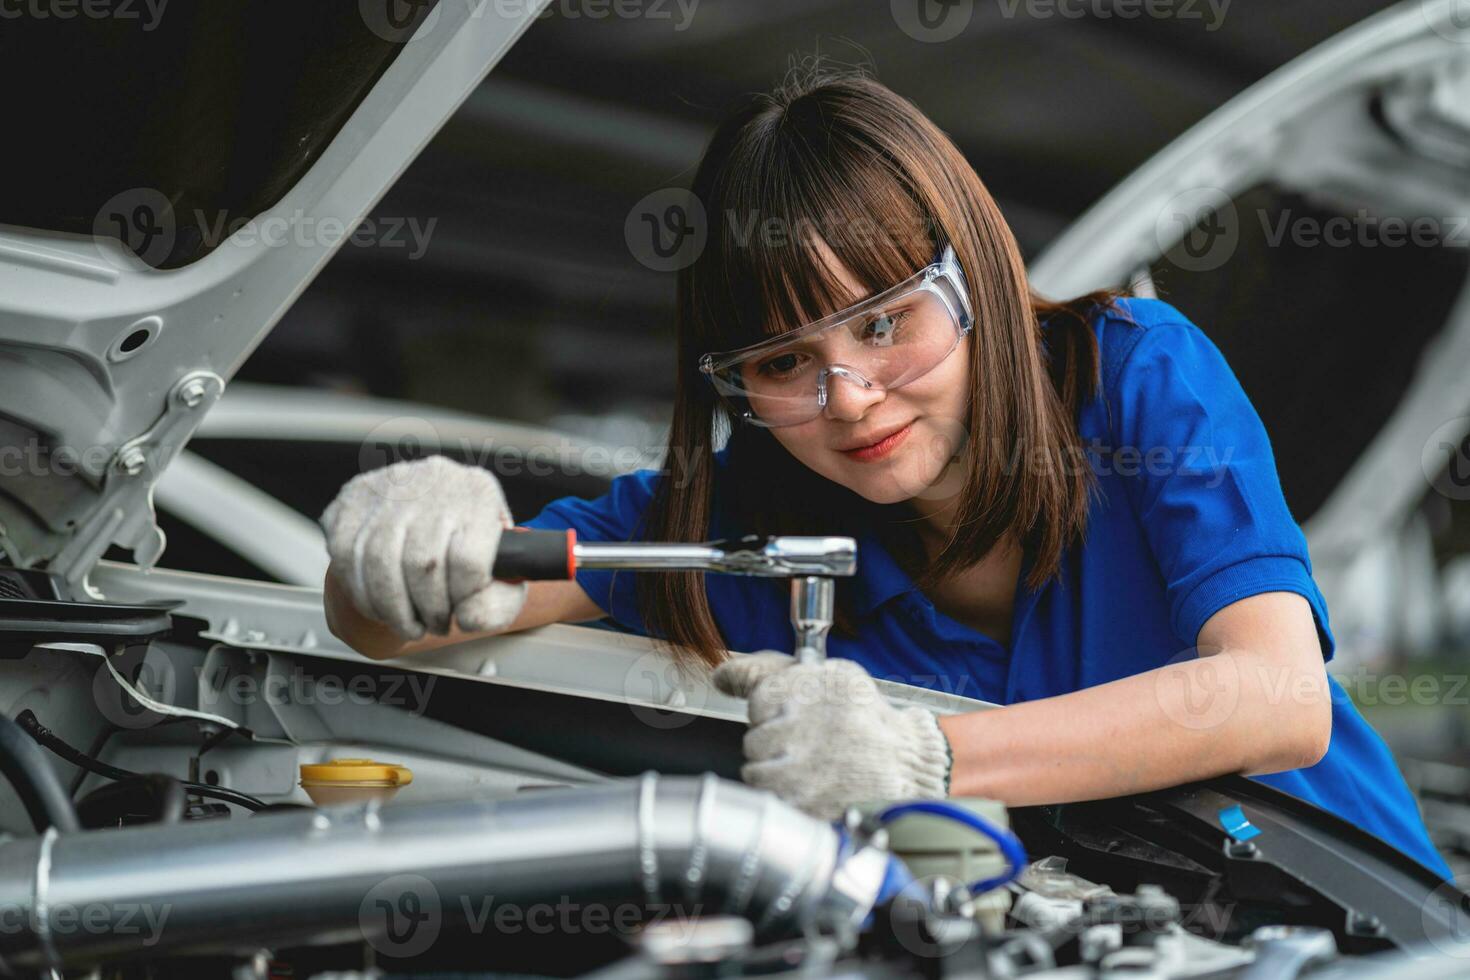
(822, 737)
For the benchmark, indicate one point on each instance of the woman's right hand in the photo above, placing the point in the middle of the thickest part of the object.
(413, 543)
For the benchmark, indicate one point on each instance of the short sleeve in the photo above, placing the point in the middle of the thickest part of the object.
(615, 516)
(1203, 479)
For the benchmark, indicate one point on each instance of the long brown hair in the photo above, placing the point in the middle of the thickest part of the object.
(840, 157)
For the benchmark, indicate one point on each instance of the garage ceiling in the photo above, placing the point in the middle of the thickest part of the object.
(525, 301)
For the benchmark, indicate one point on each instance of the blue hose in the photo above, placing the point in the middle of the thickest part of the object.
(1009, 844)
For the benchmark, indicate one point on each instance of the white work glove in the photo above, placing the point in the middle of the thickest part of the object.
(413, 543)
(822, 737)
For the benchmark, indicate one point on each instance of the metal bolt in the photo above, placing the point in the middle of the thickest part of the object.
(1363, 924)
(131, 461)
(192, 393)
(1242, 849)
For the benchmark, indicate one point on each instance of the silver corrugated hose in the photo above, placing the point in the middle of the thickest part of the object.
(705, 845)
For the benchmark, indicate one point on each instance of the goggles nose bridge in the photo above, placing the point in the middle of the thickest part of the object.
(840, 370)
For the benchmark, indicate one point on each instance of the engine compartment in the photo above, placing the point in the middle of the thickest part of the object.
(550, 833)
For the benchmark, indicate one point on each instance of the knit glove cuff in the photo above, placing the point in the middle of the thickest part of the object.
(931, 759)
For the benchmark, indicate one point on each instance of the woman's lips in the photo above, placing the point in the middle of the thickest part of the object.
(879, 449)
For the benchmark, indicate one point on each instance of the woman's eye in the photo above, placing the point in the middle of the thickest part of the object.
(881, 330)
(780, 365)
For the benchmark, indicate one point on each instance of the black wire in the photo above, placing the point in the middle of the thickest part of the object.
(154, 797)
(103, 737)
(33, 727)
(98, 744)
(224, 732)
(226, 796)
(35, 782)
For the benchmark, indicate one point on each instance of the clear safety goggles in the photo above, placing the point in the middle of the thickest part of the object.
(883, 342)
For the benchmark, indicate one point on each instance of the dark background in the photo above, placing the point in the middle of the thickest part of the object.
(526, 303)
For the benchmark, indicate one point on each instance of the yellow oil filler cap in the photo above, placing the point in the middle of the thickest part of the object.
(353, 781)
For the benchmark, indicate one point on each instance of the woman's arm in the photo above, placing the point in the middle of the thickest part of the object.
(1255, 701)
(546, 602)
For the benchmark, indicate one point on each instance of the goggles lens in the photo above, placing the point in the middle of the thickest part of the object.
(883, 342)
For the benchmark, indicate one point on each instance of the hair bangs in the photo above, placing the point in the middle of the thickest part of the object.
(813, 205)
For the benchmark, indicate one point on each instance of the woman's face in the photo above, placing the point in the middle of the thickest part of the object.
(927, 414)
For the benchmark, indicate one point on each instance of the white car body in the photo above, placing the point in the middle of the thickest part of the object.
(124, 363)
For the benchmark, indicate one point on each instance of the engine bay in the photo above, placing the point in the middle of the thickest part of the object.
(546, 832)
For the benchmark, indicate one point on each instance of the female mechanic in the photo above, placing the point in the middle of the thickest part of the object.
(1068, 509)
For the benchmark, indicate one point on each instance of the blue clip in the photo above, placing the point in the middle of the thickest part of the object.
(1236, 825)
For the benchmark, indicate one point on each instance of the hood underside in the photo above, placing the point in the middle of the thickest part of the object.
(212, 158)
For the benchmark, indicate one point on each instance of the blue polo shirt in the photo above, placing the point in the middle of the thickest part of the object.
(1190, 518)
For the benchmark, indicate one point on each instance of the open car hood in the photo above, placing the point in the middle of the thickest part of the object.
(138, 272)
(1373, 123)
(1370, 127)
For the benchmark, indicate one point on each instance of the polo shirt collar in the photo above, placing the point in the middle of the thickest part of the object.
(879, 577)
